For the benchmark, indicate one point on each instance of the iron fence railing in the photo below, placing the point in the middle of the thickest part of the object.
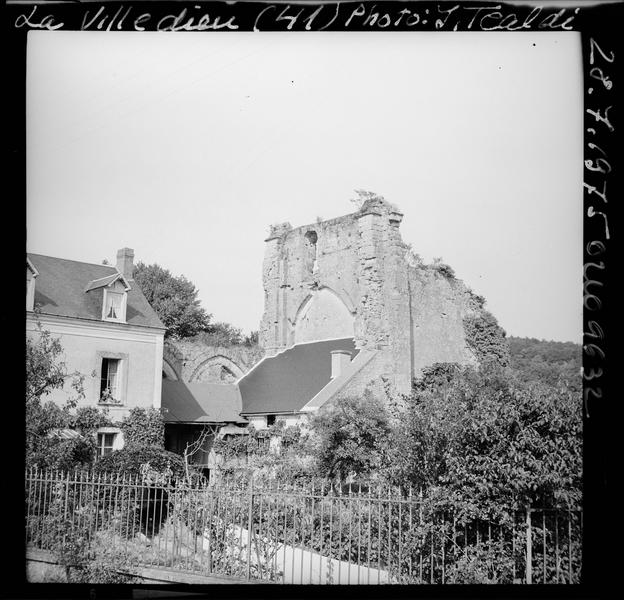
(311, 534)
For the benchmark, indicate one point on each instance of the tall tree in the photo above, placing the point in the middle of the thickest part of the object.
(174, 299)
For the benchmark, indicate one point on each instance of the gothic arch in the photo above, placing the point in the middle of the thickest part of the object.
(323, 314)
(216, 369)
(305, 304)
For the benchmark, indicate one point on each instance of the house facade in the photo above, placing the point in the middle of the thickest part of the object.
(108, 331)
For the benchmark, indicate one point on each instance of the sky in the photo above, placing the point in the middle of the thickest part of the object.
(187, 147)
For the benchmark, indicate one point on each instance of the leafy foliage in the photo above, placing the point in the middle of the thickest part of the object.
(348, 436)
(62, 454)
(486, 442)
(548, 362)
(226, 335)
(173, 298)
(89, 419)
(278, 454)
(131, 458)
(486, 338)
(144, 427)
(69, 528)
(46, 371)
(442, 268)
(252, 339)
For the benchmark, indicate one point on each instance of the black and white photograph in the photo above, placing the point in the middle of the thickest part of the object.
(306, 307)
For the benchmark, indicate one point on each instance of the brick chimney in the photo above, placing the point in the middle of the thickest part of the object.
(340, 359)
(125, 265)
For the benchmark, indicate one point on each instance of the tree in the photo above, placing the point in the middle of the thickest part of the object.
(252, 339)
(197, 445)
(222, 334)
(486, 442)
(174, 299)
(46, 371)
(546, 361)
(45, 368)
(348, 436)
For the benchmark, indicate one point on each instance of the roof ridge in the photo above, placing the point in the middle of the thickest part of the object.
(82, 262)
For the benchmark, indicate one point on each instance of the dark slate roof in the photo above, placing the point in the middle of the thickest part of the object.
(284, 383)
(200, 402)
(60, 290)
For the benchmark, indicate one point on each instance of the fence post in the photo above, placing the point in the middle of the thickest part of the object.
(529, 547)
(249, 526)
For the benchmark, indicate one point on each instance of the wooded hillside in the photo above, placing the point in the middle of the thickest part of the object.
(546, 361)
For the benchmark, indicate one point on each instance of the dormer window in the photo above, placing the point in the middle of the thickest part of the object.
(114, 301)
(115, 290)
(114, 304)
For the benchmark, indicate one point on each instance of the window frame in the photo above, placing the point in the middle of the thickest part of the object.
(122, 376)
(116, 397)
(122, 309)
(102, 447)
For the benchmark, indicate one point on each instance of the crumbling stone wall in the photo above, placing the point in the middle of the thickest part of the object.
(194, 361)
(413, 314)
(439, 306)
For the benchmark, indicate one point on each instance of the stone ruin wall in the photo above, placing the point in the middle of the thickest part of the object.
(355, 258)
(193, 361)
(293, 271)
(439, 306)
(412, 314)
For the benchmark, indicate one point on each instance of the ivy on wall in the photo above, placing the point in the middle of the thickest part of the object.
(486, 338)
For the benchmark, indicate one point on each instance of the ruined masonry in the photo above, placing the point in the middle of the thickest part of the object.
(353, 276)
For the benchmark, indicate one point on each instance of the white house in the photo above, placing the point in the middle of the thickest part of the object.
(109, 333)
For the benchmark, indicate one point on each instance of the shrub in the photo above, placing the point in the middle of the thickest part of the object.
(89, 418)
(130, 459)
(347, 435)
(144, 427)
(444, 269)
(63, 455)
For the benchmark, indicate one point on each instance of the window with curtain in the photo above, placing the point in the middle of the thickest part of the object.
(114, 305)
(109, 382)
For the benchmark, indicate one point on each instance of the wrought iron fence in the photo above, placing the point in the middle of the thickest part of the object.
(311, 534)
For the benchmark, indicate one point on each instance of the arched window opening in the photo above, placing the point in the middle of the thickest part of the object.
(311, 259)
